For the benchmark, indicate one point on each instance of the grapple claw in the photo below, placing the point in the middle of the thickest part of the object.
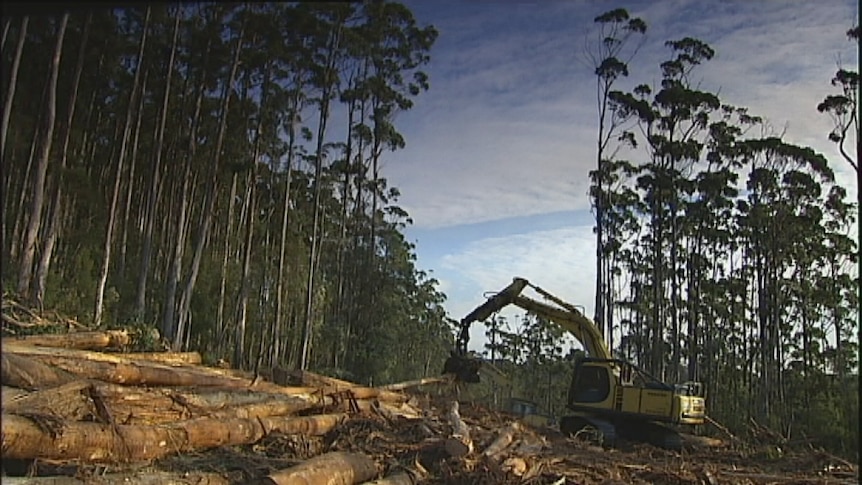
(465, 369)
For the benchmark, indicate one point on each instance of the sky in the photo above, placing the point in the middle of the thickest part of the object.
(495, 170)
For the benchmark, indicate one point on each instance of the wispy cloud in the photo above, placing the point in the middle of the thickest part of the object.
(500, 148)
(508, 125)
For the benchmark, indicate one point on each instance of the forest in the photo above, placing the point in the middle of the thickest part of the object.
(213, 171)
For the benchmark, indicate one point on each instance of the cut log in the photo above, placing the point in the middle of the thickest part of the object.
(68, 401)
(336, 468)
(400, 386)
(504, 438)
(26, 373)
(143, 478)
(115, 369)
(459, 443)
(331, 385)
(29, 438)
(297, 377)
(388, 410)
(193, 358)
(142, 405)
(119, 370)
(75, 340)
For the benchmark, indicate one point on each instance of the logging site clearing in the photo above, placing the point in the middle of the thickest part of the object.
(82, 406)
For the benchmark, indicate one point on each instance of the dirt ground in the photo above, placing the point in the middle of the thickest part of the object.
(547, 457)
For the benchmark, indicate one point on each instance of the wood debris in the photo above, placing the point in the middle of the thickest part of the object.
(74, 412)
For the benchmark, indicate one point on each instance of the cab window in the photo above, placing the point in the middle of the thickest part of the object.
(592, 384)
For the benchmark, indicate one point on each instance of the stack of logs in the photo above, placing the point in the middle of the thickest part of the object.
(64, 401)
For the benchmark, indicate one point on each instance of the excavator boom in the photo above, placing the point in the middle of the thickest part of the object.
(567, 316)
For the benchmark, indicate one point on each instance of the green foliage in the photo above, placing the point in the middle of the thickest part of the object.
(374, 315)
(735, 252)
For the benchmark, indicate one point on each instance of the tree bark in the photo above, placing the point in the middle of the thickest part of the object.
(26, 373)
(239, 343)
(505, 438)
(460, 443)
(16, 241)
(24, 438)
(174, 272)
(13, 80)
(329, 74)
(147, 249)
(330, 468)
(28, 251)
(133, 162)
(76, 340)
(57, 204)
(278, 331)
(209, 205)
(112, 215)
(141, 405)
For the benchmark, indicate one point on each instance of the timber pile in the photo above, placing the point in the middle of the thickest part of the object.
(74, 412)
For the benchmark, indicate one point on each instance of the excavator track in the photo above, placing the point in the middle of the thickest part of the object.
(596, 430)
(652, 433)
(605, 433)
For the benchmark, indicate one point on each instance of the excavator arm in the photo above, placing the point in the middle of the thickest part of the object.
(567, 316)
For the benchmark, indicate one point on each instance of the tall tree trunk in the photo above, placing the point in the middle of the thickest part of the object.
(220, 318)
(209, 205)
(13, 80)
(16, 241)
(7, 23)
(239, 347)
(28, 251)
(56, 196)
(175, 269)
(133, 162)
(112, 215)
(281, 282)
(329, 73)
(147, 250)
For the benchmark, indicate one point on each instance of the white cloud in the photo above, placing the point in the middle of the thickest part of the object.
(508, 126)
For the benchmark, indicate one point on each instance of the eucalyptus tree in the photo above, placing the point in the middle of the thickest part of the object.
(56, 204)
(673, 123)
(257, 65)
(198, 42)
(331, 20)
(13, 78)
(152, 195)
(618, 39)
(25, 271)
(207, 209)
(112, 213)
(296, 64)
(767, 220)
(843, 108)
(389, 51)
(708, 233)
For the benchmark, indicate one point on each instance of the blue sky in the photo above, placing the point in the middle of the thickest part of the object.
(495, 172)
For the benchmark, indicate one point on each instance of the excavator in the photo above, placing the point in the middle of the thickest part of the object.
(608, 397)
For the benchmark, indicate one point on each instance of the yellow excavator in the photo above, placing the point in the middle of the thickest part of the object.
(607, 395)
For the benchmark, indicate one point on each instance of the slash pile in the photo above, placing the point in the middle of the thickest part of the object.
(76, 412)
